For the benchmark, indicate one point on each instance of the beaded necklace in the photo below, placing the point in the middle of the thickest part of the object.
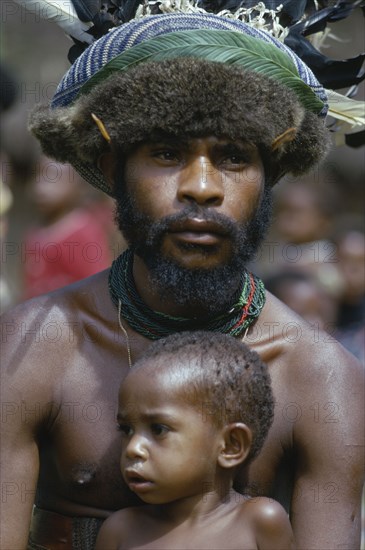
(154, 324)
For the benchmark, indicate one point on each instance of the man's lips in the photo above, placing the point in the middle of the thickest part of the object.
(198, 231)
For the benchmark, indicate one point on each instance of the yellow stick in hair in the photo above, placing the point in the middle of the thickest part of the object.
(102, 128)
(285, 137)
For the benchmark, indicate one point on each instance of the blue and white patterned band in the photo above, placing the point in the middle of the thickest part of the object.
(130, 34)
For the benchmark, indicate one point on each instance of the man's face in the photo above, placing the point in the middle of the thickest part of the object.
(195, 211)
(169, 447)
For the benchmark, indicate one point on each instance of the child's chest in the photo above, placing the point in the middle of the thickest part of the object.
(220, 534)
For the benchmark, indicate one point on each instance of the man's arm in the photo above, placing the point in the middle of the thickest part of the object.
(328, 441)
(25, 393)
(19, 474)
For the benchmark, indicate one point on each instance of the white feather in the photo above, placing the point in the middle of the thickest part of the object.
(61, 12)
(348, 113)
(345, 108)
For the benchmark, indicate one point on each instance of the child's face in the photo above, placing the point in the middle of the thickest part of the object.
(169, 448)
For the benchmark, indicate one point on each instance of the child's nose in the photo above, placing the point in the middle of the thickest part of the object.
(136, 448)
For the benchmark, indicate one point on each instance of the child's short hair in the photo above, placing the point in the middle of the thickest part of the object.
(221, 375)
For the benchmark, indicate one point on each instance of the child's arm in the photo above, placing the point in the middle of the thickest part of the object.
(110, 536)
(271, 525)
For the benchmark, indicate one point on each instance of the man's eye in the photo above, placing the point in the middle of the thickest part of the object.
(159, 429)
(166, 155)
(126, 429)
(234, 160)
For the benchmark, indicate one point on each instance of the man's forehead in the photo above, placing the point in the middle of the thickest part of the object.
(190, 142)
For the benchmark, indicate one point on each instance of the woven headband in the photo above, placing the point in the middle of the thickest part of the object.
(167, 36)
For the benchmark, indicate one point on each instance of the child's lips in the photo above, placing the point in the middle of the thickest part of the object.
(136, 482)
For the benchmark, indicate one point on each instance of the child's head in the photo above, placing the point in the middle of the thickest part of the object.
(195, 401)
(218, 375)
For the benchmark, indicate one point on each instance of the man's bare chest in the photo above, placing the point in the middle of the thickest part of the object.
(80, 445)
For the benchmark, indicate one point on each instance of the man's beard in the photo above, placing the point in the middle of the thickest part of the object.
(211, 291)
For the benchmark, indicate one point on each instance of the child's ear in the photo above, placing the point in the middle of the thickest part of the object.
(237, 439)
(107, 164)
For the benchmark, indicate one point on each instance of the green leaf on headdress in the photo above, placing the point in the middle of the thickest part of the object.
(229, 47)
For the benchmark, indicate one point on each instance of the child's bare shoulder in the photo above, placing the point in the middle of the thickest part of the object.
(127, 515)
(270, 523)
(117, 528)
(263, 510)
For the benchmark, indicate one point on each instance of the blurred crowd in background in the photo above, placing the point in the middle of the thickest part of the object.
(56, 229)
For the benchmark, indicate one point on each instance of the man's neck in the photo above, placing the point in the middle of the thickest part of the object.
(154, 316)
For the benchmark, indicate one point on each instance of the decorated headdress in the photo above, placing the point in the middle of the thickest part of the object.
(171, 67)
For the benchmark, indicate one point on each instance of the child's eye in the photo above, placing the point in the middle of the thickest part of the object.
(126, 429)
(159, 429)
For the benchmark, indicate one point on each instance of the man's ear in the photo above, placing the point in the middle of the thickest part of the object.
(107, 163)
(237, 439)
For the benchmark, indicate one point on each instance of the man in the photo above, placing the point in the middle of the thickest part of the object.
(190, 149)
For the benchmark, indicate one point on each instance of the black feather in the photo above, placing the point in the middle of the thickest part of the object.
(331, 73)
(127, 9)
(76, 50)
(86, 9)
(317, 22)
(355, 140)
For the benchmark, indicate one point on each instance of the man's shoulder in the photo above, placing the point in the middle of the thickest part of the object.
(74, 299)
(45, 331)
(287, 322)
(297, 349)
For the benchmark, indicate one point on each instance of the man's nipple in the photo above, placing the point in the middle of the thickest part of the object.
(83, 474)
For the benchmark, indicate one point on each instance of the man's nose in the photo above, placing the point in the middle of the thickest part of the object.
(201, 183)
(136, 448)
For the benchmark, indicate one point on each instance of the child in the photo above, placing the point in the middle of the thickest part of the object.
(191, 411)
